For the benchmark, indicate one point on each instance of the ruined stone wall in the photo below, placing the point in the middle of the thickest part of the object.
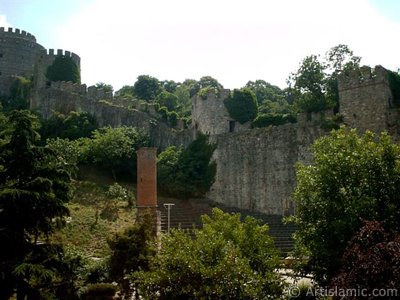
(365, 99)
(65, 97)
(256, 168)
(210, 116)
(18, 54)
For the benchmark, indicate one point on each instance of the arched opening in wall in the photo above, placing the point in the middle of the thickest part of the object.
(196, 126)
(1, 55)
(354, 116)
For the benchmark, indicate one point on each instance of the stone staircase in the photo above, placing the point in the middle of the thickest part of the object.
(186, 215)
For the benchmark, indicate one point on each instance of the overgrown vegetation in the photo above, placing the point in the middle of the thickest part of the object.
(19, 95)
(185, 173)
(63, 69)
(394, 82)
(242, 105)
(352, 178)
(226, 259)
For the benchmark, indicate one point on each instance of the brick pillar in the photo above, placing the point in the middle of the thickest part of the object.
(146, 200)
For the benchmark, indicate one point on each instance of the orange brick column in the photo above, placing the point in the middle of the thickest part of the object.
(146, 199)
(146, 178)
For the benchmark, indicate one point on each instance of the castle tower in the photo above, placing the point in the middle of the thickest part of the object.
(210, 116)
(365, 98)
(19, 53)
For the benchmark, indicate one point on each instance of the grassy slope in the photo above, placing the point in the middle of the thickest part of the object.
(82, 231)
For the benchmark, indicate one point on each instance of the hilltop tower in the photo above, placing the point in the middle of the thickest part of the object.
(210, 116)
(19, 53)
(366, 99)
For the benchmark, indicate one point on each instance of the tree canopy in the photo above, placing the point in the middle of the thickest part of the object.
(147, 87)
(352, 178)
(33, 191)
(242, 105)
(226, 259)
(63, 69)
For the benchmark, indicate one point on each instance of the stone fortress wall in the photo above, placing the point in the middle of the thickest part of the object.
(255, 167)
(21, 55)
(366, 98)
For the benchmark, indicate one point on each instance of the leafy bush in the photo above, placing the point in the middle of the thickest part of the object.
(63, 69)
(226, 259)
(132, 250)
(187, 172)
(114, 149)
(242, 105)
(73, 126)
(273, 119)
(371, 261)
(352, 178)
(19, 94)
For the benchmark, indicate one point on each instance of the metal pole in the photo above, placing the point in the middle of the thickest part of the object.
(168, 207)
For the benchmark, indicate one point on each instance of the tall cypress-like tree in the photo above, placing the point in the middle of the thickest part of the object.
(33, 191)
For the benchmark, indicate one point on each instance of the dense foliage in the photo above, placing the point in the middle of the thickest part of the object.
(314, 84)
(187, 172)
(146, 87)
(371, 261)
(33, 190)
(226, 259)
(114, 149)
(19, 94)
(242, 105)
(394, 82)
(352, 178)
(132, 250)
(72, 126)
(63, 69)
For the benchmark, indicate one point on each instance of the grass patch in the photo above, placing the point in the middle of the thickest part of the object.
(86, 230)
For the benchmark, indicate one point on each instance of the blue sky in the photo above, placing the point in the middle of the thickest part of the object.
(231, 40)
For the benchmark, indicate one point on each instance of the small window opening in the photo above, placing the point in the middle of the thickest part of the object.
(232, 126)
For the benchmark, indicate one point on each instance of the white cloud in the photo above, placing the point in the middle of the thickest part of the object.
(233, 41)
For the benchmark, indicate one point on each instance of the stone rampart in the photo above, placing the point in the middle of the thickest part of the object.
(19, 53)
(365, 98)
(256, 168)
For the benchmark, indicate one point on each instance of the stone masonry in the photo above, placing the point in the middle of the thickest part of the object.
(255, 167)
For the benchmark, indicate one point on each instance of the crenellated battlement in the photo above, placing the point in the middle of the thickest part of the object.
(60, 52)
(91, 92)
(362, 77)
(15, 32)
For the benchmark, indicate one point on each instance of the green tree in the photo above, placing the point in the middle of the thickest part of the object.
(338, 59)
(169, 86)
(168, 100)
(106, 87)
(352, 178)
(63, 69)
(187, 172)
(226, 259)
(125, 91)
(208, 81)
(265, 91)
(19, 94)
(132, 250)
(314, 85)
(114, 149)
(33, 191)
(242, 105)
(147, 87)
(73, 126)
